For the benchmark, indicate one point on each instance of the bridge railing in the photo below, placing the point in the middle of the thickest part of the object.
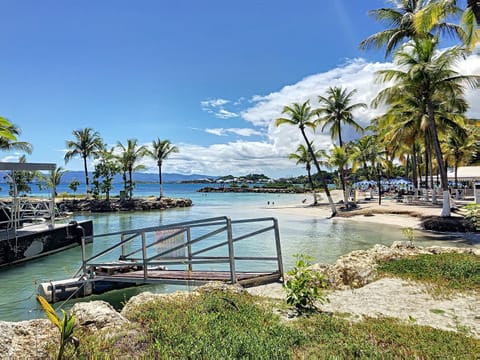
(215, 244)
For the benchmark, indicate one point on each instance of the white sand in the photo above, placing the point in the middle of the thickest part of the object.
(382, 214)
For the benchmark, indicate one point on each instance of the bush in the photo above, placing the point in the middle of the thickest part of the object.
(303, 285)
(473, 216)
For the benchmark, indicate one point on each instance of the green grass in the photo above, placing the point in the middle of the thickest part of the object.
(219, 325)
(445, 271)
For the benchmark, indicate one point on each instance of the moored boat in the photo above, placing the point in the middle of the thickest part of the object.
(31, 229)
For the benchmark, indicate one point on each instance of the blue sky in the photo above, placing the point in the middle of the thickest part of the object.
(211, 76)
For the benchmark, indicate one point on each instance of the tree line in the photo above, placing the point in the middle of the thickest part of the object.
(122, 158)
(87, 143)
(425, 122)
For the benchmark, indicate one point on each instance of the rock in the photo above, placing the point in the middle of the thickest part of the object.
(140, 204)
(358, 268)
(26, 339)
(98, 315)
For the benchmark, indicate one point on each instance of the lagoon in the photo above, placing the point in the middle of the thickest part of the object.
(323, 239)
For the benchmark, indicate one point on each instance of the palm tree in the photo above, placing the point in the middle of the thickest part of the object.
(129, 157)
(301, 115)
(339, 158)
(435, 12)
(302, 156)
(8, 137)
(474, 7)
(335, 110)
(54, 178)
(364, 152)
(428, 75)
(400, 20)
(87, 143)
(161, 150)
(459, 148)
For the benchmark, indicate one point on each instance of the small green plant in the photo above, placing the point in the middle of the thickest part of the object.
(408, 232)
(304, 285)
(473, 216)
(65, 325)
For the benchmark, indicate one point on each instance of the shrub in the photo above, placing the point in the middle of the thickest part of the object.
(304, 285)
(473, 216)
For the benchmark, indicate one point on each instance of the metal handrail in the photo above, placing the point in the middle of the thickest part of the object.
(190, 257)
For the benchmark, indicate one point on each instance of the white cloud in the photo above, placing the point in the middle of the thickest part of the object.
(270, 156)
(11, 158)
(471, 66)
(237, 131)
(356, 74)
(213, 103)
(225, 114)
(236, 158)
(217, 131)
(216, 107)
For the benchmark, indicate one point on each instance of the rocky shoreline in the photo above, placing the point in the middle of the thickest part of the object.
(356, 270)
(113, 205)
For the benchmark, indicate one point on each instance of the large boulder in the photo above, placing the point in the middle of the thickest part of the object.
(98, 315)
(358, 268)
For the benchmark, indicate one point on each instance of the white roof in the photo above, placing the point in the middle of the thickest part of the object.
(465, 173)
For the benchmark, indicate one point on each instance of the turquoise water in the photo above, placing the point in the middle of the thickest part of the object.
(323, 239)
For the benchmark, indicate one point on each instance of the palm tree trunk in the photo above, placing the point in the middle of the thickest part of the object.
(438, 153)
(322, 178)
(86, 175)
(131, 183)
(414, 170)
(160, 179)
(344, 188)
(310, 180)
(379, 186)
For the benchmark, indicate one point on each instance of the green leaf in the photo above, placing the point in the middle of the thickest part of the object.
(51, 314)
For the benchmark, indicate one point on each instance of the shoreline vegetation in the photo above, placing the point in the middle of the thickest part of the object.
(374, 311)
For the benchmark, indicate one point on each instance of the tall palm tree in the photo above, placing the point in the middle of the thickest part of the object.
(400, 20)
(87, 143)
(161, 150)
(336, 109)
(129, 157)
(428, 75)
(302, 156)
(301, 115)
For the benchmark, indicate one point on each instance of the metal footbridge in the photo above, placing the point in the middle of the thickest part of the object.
(246, 252)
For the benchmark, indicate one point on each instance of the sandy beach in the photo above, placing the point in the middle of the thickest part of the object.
(389, 212)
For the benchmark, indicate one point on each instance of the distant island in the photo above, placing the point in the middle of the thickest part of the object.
(247, 189)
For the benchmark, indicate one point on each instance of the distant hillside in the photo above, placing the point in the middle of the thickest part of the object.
(139, 177)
